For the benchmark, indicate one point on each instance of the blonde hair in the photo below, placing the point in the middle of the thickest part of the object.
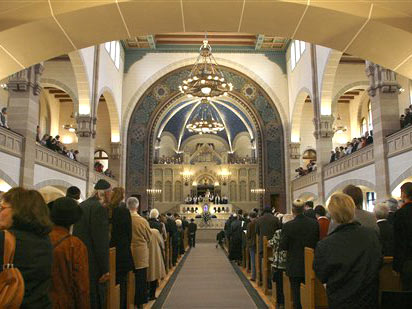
(342, 208)
(154, 214)
(117, 196)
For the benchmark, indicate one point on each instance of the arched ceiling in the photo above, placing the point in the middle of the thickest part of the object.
(233, 118)
(377, 30)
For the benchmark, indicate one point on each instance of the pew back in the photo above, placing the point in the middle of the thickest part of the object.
(388, 280)
(266, 265)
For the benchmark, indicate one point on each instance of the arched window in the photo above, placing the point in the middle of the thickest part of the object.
(296, 50)
(370, 126)
(102, 157)
(113, 48)
(363, 126)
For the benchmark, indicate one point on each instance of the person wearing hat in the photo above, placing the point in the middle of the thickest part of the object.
(297, 234)
(93, 230)
(70, 268)
(192, 227)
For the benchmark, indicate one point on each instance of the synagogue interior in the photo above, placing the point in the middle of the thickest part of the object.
(219, 154)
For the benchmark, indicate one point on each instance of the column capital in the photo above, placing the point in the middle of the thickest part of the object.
(27, 79)
(294, 150)
(380, 79)
(86, 126)
(324, 127)
(116, 151)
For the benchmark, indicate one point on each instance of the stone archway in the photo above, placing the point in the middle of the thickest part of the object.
(355, 182)
(353, 28)
(151, 108)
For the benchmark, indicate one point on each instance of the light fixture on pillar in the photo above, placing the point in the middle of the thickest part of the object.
(153, 194)
(259, 193)
(70, 128)
(205, 80)
(187, 175)
(224, 175)
(338, 126)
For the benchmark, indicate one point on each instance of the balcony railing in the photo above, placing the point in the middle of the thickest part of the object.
(113, 182)
(305, 181)
(399, 142)
(358, 159)
(59, 162)
(11, 142)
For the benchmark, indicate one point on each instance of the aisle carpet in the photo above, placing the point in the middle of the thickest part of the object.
(208, 280)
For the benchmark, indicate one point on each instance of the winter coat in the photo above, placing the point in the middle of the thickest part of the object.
(33, 257)
(403, 237)
(156, 270)
(70, 271)
(141, 236)
(348, 261)
(266, 225)
(122, 238)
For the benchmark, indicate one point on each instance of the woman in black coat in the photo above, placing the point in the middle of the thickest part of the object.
(25, 214)
(349, 259)
(121, 237)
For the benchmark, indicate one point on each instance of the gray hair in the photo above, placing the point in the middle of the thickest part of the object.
(132, 203)
(154, 214)
(381, 210)
(392, 204)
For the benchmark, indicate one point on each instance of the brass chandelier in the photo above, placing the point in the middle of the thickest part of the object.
(206, 80)
(204, 122)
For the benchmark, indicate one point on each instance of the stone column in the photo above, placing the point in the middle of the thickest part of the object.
(383, 92)
(23, 116)
(114, 160)
(323, 134)
(294, 154)
(86, 132)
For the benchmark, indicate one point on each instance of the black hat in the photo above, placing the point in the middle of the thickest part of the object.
(267, 209)
(65, 212)
(102, 185)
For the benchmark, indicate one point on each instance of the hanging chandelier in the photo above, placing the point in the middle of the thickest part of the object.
(205, 80)
(204, 122)
(339, 127)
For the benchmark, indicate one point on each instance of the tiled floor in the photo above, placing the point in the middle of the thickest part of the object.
(207, 280)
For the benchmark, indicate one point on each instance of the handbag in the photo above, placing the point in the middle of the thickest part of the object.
(11, 279)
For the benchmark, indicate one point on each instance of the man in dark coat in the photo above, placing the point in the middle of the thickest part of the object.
(297, 234)
(171, 228)
(235, 236)
(93, 230)
(402, 258)
(381, 211)
(266, 225)
(192, 228)
(309, 212)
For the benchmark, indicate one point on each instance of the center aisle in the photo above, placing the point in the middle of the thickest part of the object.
(208, 280)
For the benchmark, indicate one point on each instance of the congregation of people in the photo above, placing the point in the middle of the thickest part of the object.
(62, 248)
(351, 147)
(54, 143)
(216, 199)
(349, 245)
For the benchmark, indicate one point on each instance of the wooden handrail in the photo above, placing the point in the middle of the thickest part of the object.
(287, 292)
(113, 290)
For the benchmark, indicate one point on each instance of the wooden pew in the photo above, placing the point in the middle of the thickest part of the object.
(388, 281)
(287, 292)
(130, 290)
(257, 263)
(312, 292)
(113, 290)
(266, 267)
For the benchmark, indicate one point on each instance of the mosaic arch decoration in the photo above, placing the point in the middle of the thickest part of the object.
(165, 92)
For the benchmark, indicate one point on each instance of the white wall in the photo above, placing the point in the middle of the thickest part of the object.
(43, 174)
(10, 165)
(311, 189)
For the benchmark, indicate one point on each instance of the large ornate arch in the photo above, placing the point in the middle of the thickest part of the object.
(297, 114)
(150, 107)
(355, 182)
(107, 93)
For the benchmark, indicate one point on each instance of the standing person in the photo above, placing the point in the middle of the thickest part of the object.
(381, 211)
(154, 222)
(141, 235)
(171, 228)
(402, 258)
(279, 262)
(180, 235)
(156, 270)
(297, 234)
(70, 269)
(309, 212)
(192, 228)
(393, 207)
(121, 238)
(266, 225)
(25, 214)
(93, 230)
(3, 118)
(251, 243)
(364, 217)
(323, 221)
(73, 192)
(349, 259)
(235, 236)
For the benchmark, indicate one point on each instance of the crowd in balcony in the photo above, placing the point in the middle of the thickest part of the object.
(351, 147)
(310, 167)
(406, 119)
(53, 143)
(99, 167)
(241, 160)
(169, 160)
(3, 118)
